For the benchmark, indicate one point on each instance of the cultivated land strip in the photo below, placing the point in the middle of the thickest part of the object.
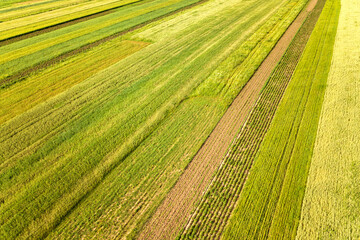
(270, 202)
(331, 207)
(181, 200)
(218, 202)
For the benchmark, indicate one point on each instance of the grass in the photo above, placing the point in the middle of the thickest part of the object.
(45, 84)
(331, 204)
(7, 3)
(138, 184)
(236, 70)
(269, 205)
(19, 26)
(58, 152)
(29, 9)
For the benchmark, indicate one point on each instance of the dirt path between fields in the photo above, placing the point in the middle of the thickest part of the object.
(172, 215)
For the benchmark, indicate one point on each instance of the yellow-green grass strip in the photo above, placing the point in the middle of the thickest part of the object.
(23, 25)
(27, 21)
(14, 13)
(40, 86)
(331, 207)
(178, 24)
(4, 4)
(24, 5)
(270, 204)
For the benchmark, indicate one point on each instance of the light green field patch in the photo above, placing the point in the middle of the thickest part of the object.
(331, 208)
(28, 9)
(189, 19)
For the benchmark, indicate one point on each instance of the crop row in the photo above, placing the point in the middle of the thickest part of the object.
(218, 202)
(270, 202)
(45, 84)
(58, 152)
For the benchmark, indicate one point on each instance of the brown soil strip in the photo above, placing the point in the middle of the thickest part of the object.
(175, 210)
(24, 73)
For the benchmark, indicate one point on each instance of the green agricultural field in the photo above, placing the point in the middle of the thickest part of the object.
(110, 111)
